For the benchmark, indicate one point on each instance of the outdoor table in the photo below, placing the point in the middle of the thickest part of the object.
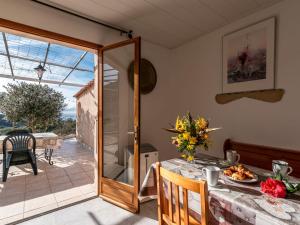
(46, 141)
(231, 202)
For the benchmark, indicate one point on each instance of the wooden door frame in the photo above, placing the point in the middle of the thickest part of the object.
(19, 29)
(128, 189)
(52, 37)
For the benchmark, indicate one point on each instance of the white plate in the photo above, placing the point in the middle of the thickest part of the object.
(253, 180)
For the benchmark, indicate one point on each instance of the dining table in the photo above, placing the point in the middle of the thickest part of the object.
(230, 202)
(46, 141)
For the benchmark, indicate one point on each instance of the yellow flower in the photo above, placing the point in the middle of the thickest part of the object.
(184, 156)
(202, 123)
(190, 158)
(186, 135)
(179, 141)
(193, 141)
(190, 147)
(177, 123)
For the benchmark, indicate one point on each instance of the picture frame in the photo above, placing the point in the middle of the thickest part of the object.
(248, 58)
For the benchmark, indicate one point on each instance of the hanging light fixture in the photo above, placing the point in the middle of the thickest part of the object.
(40, 71)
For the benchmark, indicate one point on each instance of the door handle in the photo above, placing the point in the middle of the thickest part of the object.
(136, 134)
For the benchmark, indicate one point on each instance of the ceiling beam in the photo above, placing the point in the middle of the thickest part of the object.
(8, 55)
(76, 64)
(49, 63)
(42, 81)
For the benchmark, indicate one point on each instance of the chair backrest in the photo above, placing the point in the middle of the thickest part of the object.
(20, 142)
(17, 131)
(175, 183)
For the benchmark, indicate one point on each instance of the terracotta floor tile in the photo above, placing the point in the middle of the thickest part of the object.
(40, 185)
(39, 193)
(59, 180)
(81, 182)
(61, 187)
(36, 179)
(78, 176)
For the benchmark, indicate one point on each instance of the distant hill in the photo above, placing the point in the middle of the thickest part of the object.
(68, 116)
(3, 122)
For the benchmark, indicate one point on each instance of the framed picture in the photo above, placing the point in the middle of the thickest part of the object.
(248, 58)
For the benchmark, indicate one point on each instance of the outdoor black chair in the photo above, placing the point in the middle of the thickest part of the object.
(17, 131)
(22, 151)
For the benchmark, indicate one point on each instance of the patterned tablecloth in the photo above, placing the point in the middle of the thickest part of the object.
(231, 202)
(43, 140)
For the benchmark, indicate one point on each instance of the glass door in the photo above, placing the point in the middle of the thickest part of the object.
(119, 122)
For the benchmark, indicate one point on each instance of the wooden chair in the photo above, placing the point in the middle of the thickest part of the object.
(166, 214)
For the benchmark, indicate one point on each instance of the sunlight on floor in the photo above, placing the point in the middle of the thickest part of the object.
(69, 180)
(98, 212)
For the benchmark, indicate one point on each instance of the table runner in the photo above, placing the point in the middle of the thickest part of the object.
(231, 202)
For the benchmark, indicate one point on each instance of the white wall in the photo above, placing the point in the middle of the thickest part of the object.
(159, 107)
(198, 74)
(154, 105)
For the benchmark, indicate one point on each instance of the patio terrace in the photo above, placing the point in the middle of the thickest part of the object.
(69, 180)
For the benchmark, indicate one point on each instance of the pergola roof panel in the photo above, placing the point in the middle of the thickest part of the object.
(87, 62)
(61, 54)
(25, 47)
(55, 72)
(4, 68)
(80, 77)
(2, 46)
(23, 67)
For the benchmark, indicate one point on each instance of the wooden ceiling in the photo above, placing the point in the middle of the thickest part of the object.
(169, 23)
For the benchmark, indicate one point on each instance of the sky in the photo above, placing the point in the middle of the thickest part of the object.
(57, 54)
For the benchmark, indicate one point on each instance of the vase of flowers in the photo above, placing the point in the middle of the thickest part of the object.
(190, 134)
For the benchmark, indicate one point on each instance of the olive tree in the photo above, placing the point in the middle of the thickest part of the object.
(38, 106)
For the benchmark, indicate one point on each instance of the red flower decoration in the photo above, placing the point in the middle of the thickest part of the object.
(273, 187)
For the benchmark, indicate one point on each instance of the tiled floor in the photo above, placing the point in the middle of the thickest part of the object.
(98, 212)
(70, 179)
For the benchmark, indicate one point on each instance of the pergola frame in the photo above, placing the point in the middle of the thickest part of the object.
(76, 64)
(62, 82)
(41, 81)
(8, 55)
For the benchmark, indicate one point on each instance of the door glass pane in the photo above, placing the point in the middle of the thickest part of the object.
(118, 117)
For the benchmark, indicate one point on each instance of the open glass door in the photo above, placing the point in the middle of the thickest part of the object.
(119, 122)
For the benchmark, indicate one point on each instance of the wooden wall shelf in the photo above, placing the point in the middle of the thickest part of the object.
(268, 95)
